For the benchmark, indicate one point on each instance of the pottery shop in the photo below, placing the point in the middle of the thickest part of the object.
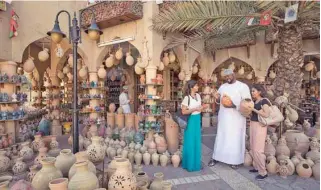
(51, 81)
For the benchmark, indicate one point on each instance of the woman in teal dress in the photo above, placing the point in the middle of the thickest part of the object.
(192, 106)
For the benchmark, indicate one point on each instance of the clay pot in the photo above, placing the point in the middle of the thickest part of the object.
(171, 135)
(19, 167)
(129, 59)
(295, 160)
(155, 159)
(282, 169)
(64, 161)
(33, 170)
(161, 66)
(101, 72)
(119, 54)
(310, 66)
(95, 151)
(248, 159)
(246, 107)
(166, 59)
(157, 184)
(21, 185)
(269, 149)
(47, 173)
(303, 169)
(226, 101)
(163, 160)
(142, 176)
(110, 61)
(42, 154)
(119, 120)
(37, 143)
(59, 184)
(314, 154)
(4, 162)
(26, 152)
(176, 160)
(43, 55)
(138, 158)
(122, 172)
(241, 71)
(83, 178)
(181, 75)
(83, 72)
(167, 185)
(146, 158)
(316, 170)
(271, 166)
(29, 65)
(172, 57)
(282, 148)
(297, 141)
(138, 70)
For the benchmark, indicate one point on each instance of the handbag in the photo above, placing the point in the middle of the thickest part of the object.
(274, 118)
(182, 119)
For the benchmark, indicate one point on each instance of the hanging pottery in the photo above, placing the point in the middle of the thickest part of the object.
(83, 72)
(172, 57)
(70, 61)
(310, 66)
(249, 76)
(29, 65)
(195, 69)
(138, 70)
(102, 72)
(166, 59)
(119, 53)
(66, 69)
(232, 66)
(201, 73)
(272, 75)
(43, 55)
(110, 61)
(181, 75)
(70, 76)
(79, 64)
(214, 78)
(141, 63)
(129, 59)
(241, 71)
(36, 74)
(161, 66)
(60, 75)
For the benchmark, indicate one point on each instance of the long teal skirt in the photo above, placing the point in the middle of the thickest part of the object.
(192, 144)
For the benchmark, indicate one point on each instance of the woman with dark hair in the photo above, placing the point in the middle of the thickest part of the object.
(192, 106)
(258, 131)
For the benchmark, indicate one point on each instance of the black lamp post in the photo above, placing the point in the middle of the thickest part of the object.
(74, 37)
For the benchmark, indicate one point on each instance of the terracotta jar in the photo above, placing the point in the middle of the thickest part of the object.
(64, 161)
(4, 182)
(314, 154)
(37, 143)
(59, 184)
(271, 166)
(119, 120)
(83, 178)
(167, 185)
(81, 156)
(176, 160)
(282, 169)
(297, 141)
(122, 178)
(157, 184)
(142, 176)
(171, 134)
(42, 154)
(316, 170)
(31, 174)
(248, 159)
(95, 151)
(155, 159)
(142, 185)
(303, 169)
(295, 160)
(163, 160)
(19, 167)
(282, 147)
(138, 158)
(47, 173)
(146, 158)
(26, 152)
(269, 149)
(110, 120)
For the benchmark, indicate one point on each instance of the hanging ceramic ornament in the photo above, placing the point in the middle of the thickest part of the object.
(29, 65)
(70, 61)
(214, 78)
(43, 55)
(59, 51)
(110, 61)
(161, 66)
(272, 75)
(102, 72)
(310, 66)
(181, 75)
(119, 53)
(129, 59)
(66, 69)
(201, 73)
(241, 71)
(83, 72)
(249, 76)
(166, 59)
(172, 57)
(138, 70)
(232, 66)
(79, 64)
(195, 69)
(60, 75)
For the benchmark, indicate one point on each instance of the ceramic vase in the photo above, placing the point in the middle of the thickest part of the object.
(83, 178)
(22, 185)
(54, 143)
(157, 184)
(82, 156)
(146, 158)
(47, 173)
(59, 184)
(31, 174)
(42, 154)
(297, 141)
(122, 178)
(269, 149)
(95, 151)
(282, 147)
(19, 167)
(271, 166)
(316, 170)
(176, 160)
(64, 161)
(163, 160)
(26, 152)
(37, 143)
(142, 176)
(155, 159)
(138, 158)
(303, 169)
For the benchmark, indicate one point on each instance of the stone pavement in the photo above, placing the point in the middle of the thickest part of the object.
(222, 177)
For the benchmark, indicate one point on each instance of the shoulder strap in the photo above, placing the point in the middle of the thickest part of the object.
(267, 100)
(188, 100)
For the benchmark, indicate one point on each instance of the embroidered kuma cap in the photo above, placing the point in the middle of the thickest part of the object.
(125, 87)
(228, 72)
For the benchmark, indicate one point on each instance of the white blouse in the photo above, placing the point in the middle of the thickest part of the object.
(193, 103)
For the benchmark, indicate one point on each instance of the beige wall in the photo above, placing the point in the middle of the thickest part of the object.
(5, 41)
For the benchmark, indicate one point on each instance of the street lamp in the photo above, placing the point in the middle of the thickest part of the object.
(74, 37)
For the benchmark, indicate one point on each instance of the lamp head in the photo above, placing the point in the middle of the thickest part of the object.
(93, 31)
(56, 34)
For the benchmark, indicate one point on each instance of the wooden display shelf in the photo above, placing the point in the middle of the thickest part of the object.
(21, 119)
(17, 102)
(152, 115)
(95, 88)
(87, 112)
(150, 84)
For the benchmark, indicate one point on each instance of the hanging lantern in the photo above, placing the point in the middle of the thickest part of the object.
(110, 61)
(66, 69)
(129, 59)
(241, 71)
(43, 55)
(119, 54)
(102, 72)
(161, 66)
(70, 61)
(29, 65)
(166, 59)
(181, 75)
(138, 70)
(172, 57)
(83, 72)
(195, 69)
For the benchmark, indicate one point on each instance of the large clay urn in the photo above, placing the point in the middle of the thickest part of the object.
(81, 156)
(64, 161)
(122, 172)
(157, 184)
(297, 141)
(271, 166)
(96, 151)
(120, 120)
(102, 72)
(83, 178)
(130, 120)
(111, 120)
(59, 184)
(282, 148)
(47, 173)
(29, 65)
(43, 55)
